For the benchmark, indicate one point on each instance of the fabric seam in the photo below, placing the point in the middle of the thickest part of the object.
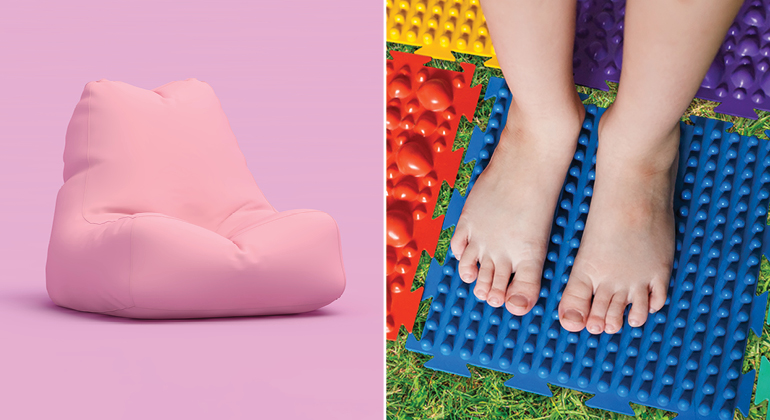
(273, 220)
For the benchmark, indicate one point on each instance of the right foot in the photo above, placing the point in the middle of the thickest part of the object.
(507, 217)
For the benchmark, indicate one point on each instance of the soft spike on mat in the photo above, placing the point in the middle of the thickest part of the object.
(688, 357)
(423, 112)
(738, 77)
(598, 43)
(763, 385)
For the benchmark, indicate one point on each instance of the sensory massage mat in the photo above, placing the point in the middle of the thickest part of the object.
(738, 77)
(688, 357)
(424, 106)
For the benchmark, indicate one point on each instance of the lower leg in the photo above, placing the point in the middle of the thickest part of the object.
(669, 46)
(534, 41)
(628, 245)
(506, 220)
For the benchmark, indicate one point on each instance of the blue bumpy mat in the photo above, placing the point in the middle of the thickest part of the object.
(688, 357)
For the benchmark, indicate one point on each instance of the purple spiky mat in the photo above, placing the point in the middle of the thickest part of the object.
(688, 357)
(738, 77)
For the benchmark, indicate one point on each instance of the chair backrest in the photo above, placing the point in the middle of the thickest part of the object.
(168, 150)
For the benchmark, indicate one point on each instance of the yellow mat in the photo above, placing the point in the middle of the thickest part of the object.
(440, 27)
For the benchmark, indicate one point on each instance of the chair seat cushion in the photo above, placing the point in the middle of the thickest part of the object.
(159, 216)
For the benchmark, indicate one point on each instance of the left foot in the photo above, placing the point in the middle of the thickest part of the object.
(627, 249)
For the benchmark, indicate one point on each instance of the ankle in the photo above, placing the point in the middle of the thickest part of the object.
(550, 128)
(629, 142)
(567, 108)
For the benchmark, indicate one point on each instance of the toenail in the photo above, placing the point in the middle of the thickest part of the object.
(573, 316)
(518, 301)
(594, 329)
(494, 301)
(634, 323)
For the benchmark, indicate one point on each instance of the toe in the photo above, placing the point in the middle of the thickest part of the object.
(484, 281)
(599, 307)
(468, 265)
(575, 303)
(500, 281)
(614, 320)
(524, 289)
(637, 316)
(658, 291)
(459, 241)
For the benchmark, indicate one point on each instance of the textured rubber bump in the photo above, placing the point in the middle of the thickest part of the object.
(688, 357)
(763, 385)
(424, 107)
(598, 51)
(738, 77)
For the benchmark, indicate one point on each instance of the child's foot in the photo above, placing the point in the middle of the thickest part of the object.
(506, 220)
(627, 248)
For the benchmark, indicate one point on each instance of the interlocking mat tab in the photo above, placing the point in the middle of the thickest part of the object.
(424, 106)
(688, 357)
(738, 77)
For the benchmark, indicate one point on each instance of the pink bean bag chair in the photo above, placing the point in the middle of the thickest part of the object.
(159, 216)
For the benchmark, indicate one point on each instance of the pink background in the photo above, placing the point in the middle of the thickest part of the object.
(302, 85)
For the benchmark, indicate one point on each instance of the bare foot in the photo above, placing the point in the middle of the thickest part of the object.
(627, 249)
(506, 220)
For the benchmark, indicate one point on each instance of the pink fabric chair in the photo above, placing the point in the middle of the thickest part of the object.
(159, 216)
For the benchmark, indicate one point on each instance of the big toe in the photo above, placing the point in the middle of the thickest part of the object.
(575, 303)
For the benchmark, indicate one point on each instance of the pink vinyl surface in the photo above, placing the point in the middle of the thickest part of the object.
(307, 113)
(159, 216)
